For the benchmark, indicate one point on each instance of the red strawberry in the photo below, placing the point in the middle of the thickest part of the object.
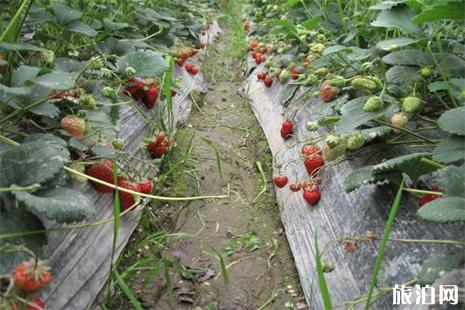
(295, 187)
(150, 97)
(327, 92)
(313, 163)
(261, 75)
(429, 197)
(312, 197)
(31, 276)
(268, 82)
(102, 171)
(158, 151)
(180, 62)
(173, 93)
(280, 181)
(285, 134)
(126, 199)
(189, 67)
(75, 126)
(160, 137)
(36, 304)
(259, 59)
(295, 73)
(309, 150)
(145, 187)
(134, 85)
(203, 33)
(194, 70)
(288, 125)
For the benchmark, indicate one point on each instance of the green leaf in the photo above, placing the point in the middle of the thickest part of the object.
(55, 80)
(443, 210)
(19, 91)
(452, 121)
(284, 26)
(433, 267)
(100, 122)
(64, 13)
(46, 109)
(353, 116)
(67, 65)
(18, 220)
(399, 17)
(287, 94)
(375, 132)
(146, 64)
(113, 26)
(403, 76)
(396, 42)
(410, 164)
(447, 11)
(60, 203)
(80, 27)
(450, 149)
(18, 46)
(311, 23)
(336, 49)
(362, 176)
(22, 74)
(385, 5)
(409, 57)
(30, 163)
(452, 181)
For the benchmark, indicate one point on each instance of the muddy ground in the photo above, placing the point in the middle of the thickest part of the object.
(218, 254)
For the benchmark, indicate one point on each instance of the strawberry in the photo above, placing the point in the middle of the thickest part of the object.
(366, 83)
(288, 125)
(118, 144)
(126, 199)
(412, 104)
(309, 150)
(36, 304)
(145, 187)
(160, 137)
(261, 75)
(31, 276)
(355, 142)
(75, 126)
(295, 187)
(399, 120)
(189, 67)
(158, 151)
(194, 70)
(313, 163)
(312, 196)
(150, 97)
(426, 72)
(373, 104)
(173, 93)
(134, 85)
(284, 76)
(268, 82)
(280, 181)
(429, 197)
(102, 171)
(285, 134)
(327, 92)
(158, 146)
(203, 33)
(295, 73)
(259, 59)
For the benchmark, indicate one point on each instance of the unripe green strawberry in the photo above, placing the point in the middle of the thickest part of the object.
(312, 126)
(80, 168)
(48, 57)
(108, 92)
(426, 72)
(462, 94)
(332, 141)
(399, 120)
(332, 153)
(118, 144)
(355, 142)
(311, 79)
(322, 71)
(284, 76)
(366, 66)
(365, 83)
(374, 103)
(129, 71)
(88, 102)
(412, 104)
(338, 81)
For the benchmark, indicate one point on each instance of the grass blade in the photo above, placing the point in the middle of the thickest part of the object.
(321, 278)
(127, 291)
(217, 153)
(223, 269)
(262, 173)
(387, 232)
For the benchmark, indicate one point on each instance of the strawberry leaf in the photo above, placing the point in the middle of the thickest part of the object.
(146, 64)
(443, 210)
(361, 177)
(452, 181)
(410, 164)
(61, 204)
(18, 220)
(433, 267)
(452, 121)
(450, 149)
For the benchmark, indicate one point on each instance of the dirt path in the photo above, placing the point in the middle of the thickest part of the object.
(219, 147)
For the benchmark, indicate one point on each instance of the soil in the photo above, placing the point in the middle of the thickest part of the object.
(218, 149)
